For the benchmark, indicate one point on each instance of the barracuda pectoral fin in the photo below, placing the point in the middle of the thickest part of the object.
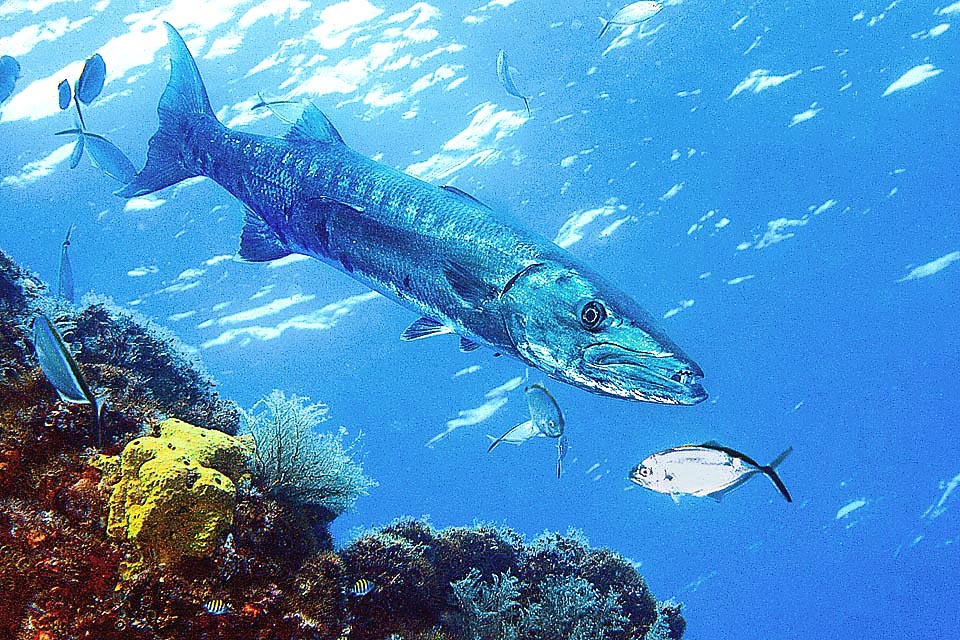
(467, 345)
(424, 328)
(258, 242)
(314, 126)
(473, 290)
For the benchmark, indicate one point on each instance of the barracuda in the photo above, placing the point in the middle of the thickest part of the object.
(436, 250)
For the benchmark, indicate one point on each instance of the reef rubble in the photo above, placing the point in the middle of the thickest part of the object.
(178, 528)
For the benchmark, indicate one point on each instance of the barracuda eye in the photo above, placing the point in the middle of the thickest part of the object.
(645, 471)
(592, 315)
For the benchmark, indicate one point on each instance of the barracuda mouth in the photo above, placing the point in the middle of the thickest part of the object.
(657, 376)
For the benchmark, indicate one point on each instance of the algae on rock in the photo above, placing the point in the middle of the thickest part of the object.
(176, 492)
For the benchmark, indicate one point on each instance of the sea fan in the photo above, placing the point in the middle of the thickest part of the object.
(295, 463)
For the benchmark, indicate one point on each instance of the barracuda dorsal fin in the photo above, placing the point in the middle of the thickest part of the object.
(258, 242)
(313, 126)
(463, 195)
(424, 328)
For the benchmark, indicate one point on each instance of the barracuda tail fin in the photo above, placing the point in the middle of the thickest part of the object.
(183, 101)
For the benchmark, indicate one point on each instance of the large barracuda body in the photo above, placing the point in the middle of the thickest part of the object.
(464, 268)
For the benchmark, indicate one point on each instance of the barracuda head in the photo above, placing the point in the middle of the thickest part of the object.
(584, 332)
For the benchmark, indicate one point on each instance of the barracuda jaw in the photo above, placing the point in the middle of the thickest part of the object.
(645, 375)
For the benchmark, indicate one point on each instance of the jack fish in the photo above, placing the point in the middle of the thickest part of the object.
(709, 469)
(460, 265)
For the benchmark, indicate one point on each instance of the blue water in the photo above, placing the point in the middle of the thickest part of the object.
(822, 340)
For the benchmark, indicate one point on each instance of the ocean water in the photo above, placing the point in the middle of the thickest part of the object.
(776, 181)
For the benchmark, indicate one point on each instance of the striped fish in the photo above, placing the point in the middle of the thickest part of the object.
(361, 587)
(217, 607)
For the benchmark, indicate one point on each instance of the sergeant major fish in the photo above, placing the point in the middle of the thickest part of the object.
(709, 469)
(463, 267)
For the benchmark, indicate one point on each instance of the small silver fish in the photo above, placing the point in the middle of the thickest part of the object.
(562, 446)
(506, 73)
(65, 286)
(633, 13)
(709, 469)
(62, 370)
(546, 419)
(104, 154)
(217, 607)
(90, 83)
(362, 587)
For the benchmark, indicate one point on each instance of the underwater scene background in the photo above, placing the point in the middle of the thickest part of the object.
(776, 182)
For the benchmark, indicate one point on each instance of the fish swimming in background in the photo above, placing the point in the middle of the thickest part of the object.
(361, 587)
(62, 370)
(103, 154)
(633, 13)
(217, 607)
(562, 446)
(9, 74)
(546, 419)
(65, 280)
(87, 88)
(709, 469)
(444, 254)
(506, 73)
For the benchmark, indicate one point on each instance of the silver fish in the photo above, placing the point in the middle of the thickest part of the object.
(103, 154)
(62, 370)
(546, 419)
(506, 73)
(633, 13)
(65, 287)
(562, 446)
(709, 469)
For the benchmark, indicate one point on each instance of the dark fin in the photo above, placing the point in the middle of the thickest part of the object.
(258, 242)
(467, 345)
(424, 328)
(313, 126)
(464, 196)
(780, 458)
(777, 482)
(471, 289)
(559, 466)
(733, 453)
(183, 101)
(526, 102)
(606, 25)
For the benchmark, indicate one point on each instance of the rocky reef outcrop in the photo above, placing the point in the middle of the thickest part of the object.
(177, 530)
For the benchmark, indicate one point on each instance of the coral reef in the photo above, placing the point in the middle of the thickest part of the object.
(175, 493)
(486, 582)
(191, 558)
